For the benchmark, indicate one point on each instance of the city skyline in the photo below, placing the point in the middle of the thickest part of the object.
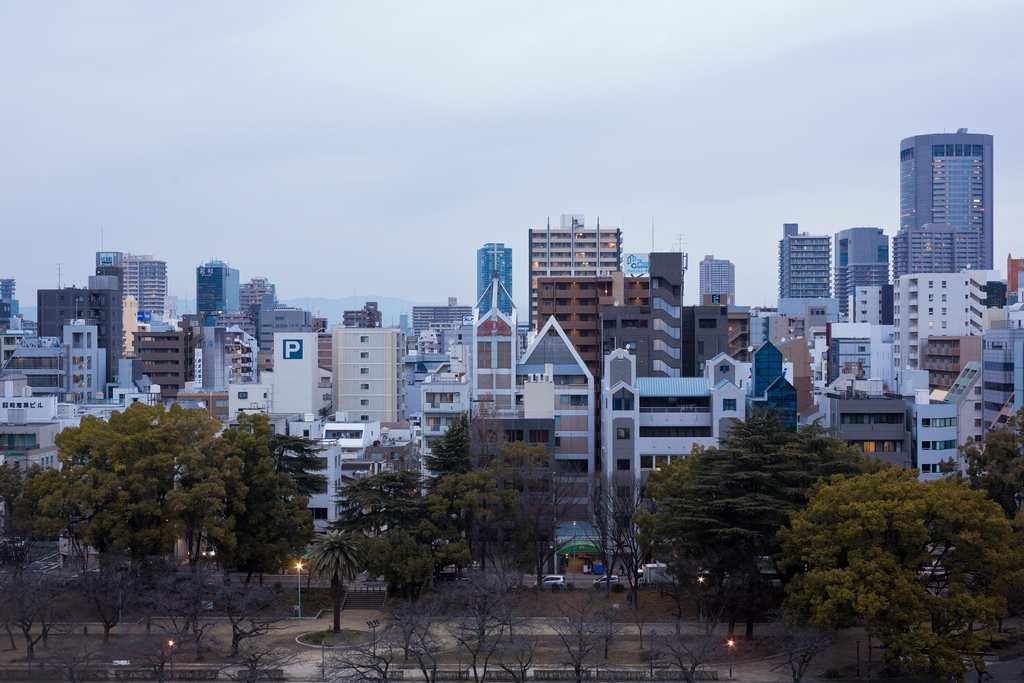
(182, 167)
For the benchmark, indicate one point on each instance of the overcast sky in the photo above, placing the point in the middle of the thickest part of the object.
(370, 148)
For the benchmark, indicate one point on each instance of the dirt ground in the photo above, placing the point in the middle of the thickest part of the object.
(749, 660)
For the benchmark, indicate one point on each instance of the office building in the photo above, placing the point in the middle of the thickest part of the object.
(804, 264)
(859, 350)
(99, 304)
(770, 388)
(168, 357)
(274, 319)
(866, 417)
(717, 276)
(368, 377)
(572, 250)
(43, 361)
(369, 316)
(935, 248)
(493, 257)
(251, 295)
(216, 291)
(945, 180)
(446, 317)
(145, 278)
(945, 357)
(998, 363)
(861, 260)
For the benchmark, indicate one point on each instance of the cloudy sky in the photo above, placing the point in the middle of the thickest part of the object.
(370, 148)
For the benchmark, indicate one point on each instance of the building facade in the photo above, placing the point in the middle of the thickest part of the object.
(926, 304)
(717, 276)
(946, 179)
(572, 250)
(216, 291)
(145, 278)
(945, 357)
(861, 260)
(804, 264)
(452, 315)
(368, 377)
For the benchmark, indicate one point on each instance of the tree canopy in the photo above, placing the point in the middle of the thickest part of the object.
(923, 562)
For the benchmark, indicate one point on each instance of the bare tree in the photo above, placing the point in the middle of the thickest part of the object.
(34, 604)
(253, 610)
(581, 634)
(626, 499)
(548, 498)
(638, 616)
(372, 662)
(515, 654)
(691, 647)
(415, 625)
(610, 628)
(72, 657)
(799, 646)
(102, 589)
(256, 659)
(187, 600)
(152, 653)
(478, 621)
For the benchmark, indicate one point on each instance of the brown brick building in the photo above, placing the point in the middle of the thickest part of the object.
(945, 356)
(576, 304)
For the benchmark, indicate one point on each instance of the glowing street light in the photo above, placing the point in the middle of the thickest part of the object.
(731, 643)
(298, 578)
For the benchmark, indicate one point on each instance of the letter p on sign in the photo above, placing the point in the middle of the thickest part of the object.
(292, 349)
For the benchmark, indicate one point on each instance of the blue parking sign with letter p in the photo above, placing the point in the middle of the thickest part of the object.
(292, 349)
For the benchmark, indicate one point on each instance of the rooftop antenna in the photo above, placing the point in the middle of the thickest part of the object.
(652, 234)
(58, 273)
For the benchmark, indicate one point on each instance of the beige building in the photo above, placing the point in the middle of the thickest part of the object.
(368, 381)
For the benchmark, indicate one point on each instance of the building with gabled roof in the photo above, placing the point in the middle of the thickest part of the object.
(648, 421)
(556, 385)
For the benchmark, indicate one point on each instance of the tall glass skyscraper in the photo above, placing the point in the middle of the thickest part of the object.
(216, 291)
(494, 257)
(945, 189)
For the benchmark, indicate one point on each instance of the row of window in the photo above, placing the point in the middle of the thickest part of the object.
(949, 444)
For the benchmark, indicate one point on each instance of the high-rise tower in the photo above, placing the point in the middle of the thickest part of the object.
(862, 260)
(494, 257)
(717, 276)
(804, 264)
(216, 291)
(945, 187)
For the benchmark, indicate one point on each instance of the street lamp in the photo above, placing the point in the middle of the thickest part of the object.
(574, 552)
(373, 624)
(651, 638)
(298, 581)
(700, 580)
(732, 644)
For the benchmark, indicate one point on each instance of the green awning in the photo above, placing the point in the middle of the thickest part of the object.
(580, 546)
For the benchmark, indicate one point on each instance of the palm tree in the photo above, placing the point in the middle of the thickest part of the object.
(336, 556)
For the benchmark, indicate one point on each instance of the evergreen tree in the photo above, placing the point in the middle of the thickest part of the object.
(450, 454)
(298, 457)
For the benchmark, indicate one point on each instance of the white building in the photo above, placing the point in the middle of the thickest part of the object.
(649, 421)
(296, 376)
(933, 433)
(865, 305)
(444, 394)
(368, 373)
(926, 304)
(966, 394)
